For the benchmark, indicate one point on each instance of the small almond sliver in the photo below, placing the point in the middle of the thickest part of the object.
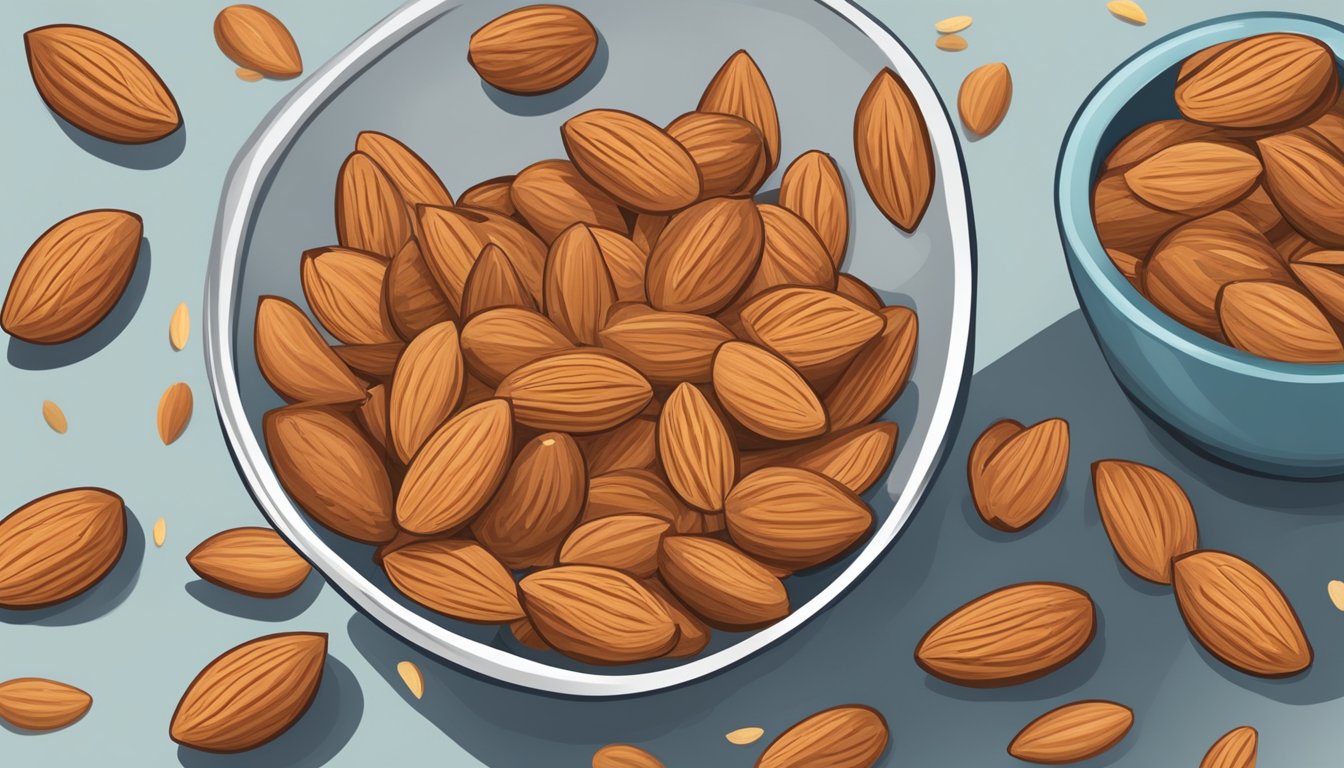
(179, 328)
(160, 531)
(1128, 11)
(246, 74)
(54, 416)
(952, 24)
(1336, 590)
(744, 735)
(411, 676)
(951, 43)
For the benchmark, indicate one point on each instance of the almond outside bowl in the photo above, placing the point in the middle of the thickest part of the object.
(409, 77)
(1266, 416)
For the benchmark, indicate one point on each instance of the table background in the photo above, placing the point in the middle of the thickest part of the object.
(137, 639)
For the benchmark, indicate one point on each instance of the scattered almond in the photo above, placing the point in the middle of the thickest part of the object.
(247, 75)
(257, 40)
(1127, 10)
(54, 416)
(951, 43)
(251, 561)
(1336, 591)
(1147, 517)
(744, 736)
(534, 49)
(59, 545)
(179, 327)
(1073, 732)
(37, 704)
(952, 24)
(624, 756)
(410, 675)
(160, 531)
(984, 97)
(1235, 749)
(1022, 475)
(851, 736)
(891, 144)
(174, 412)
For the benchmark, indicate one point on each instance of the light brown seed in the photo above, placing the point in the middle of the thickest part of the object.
(1022, 475)
(426, 388)
(851, 736)
(456, 578)
(816, 331)
(891, 144)
(598, 615)
(160, 531)
(1235, 749)
(344, 288)
(1073, 732)
(705, 255)
(765, 394)
(577, 287)
(795, 518)
(54, 416)
(537, 504)
(878, 374)
(722, 585)
(499, 341)
(696, 449)
(532, 50)
(174, 412)
(579, 391)
(729, 151)
(551, 195)
(412, 677)
(627, 542)
(1196, 177)
(1278, 322)
(984, 97)
(295, 359)
(59, 545)
(952, 25)
(416, 182)
(632, 160)
(739, 88)
(38, 704)
(247, 75)
(812, 188)
(457, 471)
(179, 327)
(667, 347)
(744, 736)
(255, 39)
(252, 561)
(1147, 516)
(624, 756)
(951, 43)
(370, 213)
(1127, 10)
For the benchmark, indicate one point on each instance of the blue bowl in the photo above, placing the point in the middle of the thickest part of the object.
(1263, 415)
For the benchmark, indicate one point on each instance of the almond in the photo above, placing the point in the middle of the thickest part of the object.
(851, 736)
(456, 578)
(373, 360)
(99, 85)
(525, 250)
(251, 694)
(626, 264)
(59, 545)
(793, 254)
(721, 584)
(626, 543)
(950, 43)
(551, 195)
(705, 255)
(54, 416)
(174, 412)
(296, 361)
(72, 276)
(577, 288)
(1305, 175)
(1147, 516)
(667, 347)
(450, 240)
(634, 491)
(1235, 749)
(1151, 138)
(1195, 178)
(1278, 322)
(598, 615)
(795, 518)
(1128, 10)
(624, 756)
(739, 89)
(1009, 636)
(1261, 82)
(1195, 261)
(1201, 57)
(257, 40)
(696, 450)
(765, 394)
(632, 160)
(498, 342)
(812, 188)
(344, 288)
(533, 50)
(1126, 223)
(1022, 475)
(414, 301)
(816, 331)
(459, 468)
(578, 391)
(895, 156)
(1331, 128)
(729, 151)
(1258, 210)
(253, 561)
(632, 445)
(370, 212)
(538, 502)
(416, 182)
(858, 291)
(37, 704)
(493, 282)
(179, 326)
(331, 471)
(856, 457)
(426, 388)
(1322, 274)
(1073, 732)
(984, 97)
(878, 374)
(1236, 612)
(490, 195)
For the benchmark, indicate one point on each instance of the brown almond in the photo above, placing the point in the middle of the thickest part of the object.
(878, 374)
(765, 394)
(1239, 615)
(696, 450)
(59, 545)
(895, 156)
(597, 615)
(331, 471)
(1278, 322)
(632, 160)
(54, 417)
(174, 412)
(1151, 138)
(705, 255)
(372, 360)
(851, 736)
(99, 85)
(72, 276)
(1201, 57)
(426, 388)
(534, 49)
(490, 195)
(179, 326)
(1322, 274)
(1126, 223)
(255, 39)
(632, 445)
(858, 292)
(856, 457)
(1147, 516)
(456, 578)
(499, 341)
(252, 561)
(793, 254)
(577, 391)
(551, 195)
(812, 188)
(626, 543)
(1022, 475)
(1261, 82)
(1195, 178)
(1009, 636)
(414, 179)
(251, 694)
(624, 756)
(739, 89)
(729, 151)
(344, 288)
(450, 241)
(370, 212)
(795, 518)
(457, 471)
(38, 704)
(816, 331)
(537, 504)
(577, 288)
(667, 347)
(721, 584)
(413, 299)
(492, 283)
(626, 263)
(1304, 174)
(984, 97)
(1073, 732)
(1235, 749)
(632, 491)
(525, 250)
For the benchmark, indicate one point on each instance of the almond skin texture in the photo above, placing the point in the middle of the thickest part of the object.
(812, 188)
(1126, 223)
(377, 361)
(533, 50)
(332, 471)
(577, 392)
(739, 88)
(1073, 732)
(878, 374)
(456, 578)
(984, 448)
(1236, 749)
(624, 756)
(525, 250)
(729, 151)
(551, 195)
(251, 561)
(1239, 615)
(895, 156)
(793, 255)
(99, 85)
(1009, 636)
(1259, 210)
(1147, 517)
(696, 450)
(257, 40)
(370, 212)
(694, 633)
(632, 445)
(765, 394)
(667, 347)
(577, 289)
(1305, 175)
(295, 359)
(59, 545)
(626, 543)
(1023, 475)
(705, 255)
(426, 388)
(37, 704)
(72, 276)
(632, 491)
(1151, 138)
(1322, 274)
(251, 694)
(632, 160)
(852, 736)
(1277, 321)
(1261, 82)
(417, 183)
(174, 412)
(984, 97)
(857, 291)
(414, 301)
(493, 283)
(538, 503)
(597, 615)
(816, 331)
(1195, 178)
(344, 288)
(499, 341)
(721, 584)
(459, 468)
(626, 262)
(856, 457)
(795, 518)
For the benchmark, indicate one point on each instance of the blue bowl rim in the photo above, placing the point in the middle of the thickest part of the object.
(1073, 189)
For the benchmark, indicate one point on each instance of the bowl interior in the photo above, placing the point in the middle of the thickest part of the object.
(409, 78)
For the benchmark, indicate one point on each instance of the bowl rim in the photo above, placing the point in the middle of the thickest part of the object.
(1073, 187)
(254, 164)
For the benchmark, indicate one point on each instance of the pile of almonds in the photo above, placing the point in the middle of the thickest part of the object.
(1228, 218)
